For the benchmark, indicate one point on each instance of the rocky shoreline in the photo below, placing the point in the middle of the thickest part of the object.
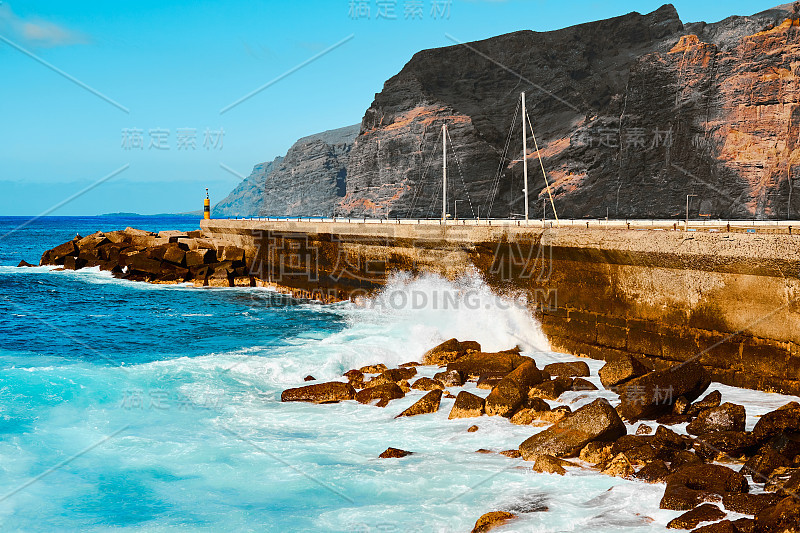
(710, 465)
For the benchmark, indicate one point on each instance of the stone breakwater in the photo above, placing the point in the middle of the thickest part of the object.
(698, 449)
(164, 257)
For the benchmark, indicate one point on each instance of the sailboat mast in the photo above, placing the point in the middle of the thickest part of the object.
(525, 155)
(444, 172)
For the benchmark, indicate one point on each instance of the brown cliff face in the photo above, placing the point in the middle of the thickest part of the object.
(631, 115)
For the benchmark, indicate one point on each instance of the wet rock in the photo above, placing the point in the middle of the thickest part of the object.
(489, 380)
(781, 518)
(551, 390)
(580, 384)
(597, 421)
(472, 429)
(382, 393)
(693, 518)
(399, 374)
(673, 419)
(711, 400)
(666, 437)
(596, 452)
(309, 378)
(473, 364)
(727, 444)
(751, 504)
(537, 404)
(742, 525)
(374, 369)
(547, 464)
(778, 422)
(448, 394)
(451, 378)
(332, 392)
(410, 364)
(427, 384)
(652, 395)
(620, 370)
(394, 453)
(509, 394)
(653, 472)
(354, 375)
(512, 454)
(619, 466)
(784, 481)
(467, 405)
(525, 417)
(568, 369)
(726, 417)
(725, 526)
(680, 406)
(24, 263)
(693, 484)
(492, 520)
(427, 404)
(404, 386)
(764, 463)
(683, 458)
(444, 353)
(644, 429)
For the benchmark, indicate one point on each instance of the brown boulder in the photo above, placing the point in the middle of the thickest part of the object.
(474, 364)
(449, 378)
(449, 351)
(781, 518)
(394, 453)
(726, 417)
(427, 404)
(467, 405)
(309, 378)
(373, 369)
(489, 380)
(427, 384)
(551, 390)
(596, 452)
(778, 422)
(725, 526)
(653, 394)
(728, 444)
(383, 393)
(693, 484)
(751, 504)
(764, 463)
(620, 370)
(332, 392)
(653, 472)
(568, 369)
(492, 520)
(512, 390)
(597, 421)
(472, 429)
(24, 263)
(784, 481)
(693, 518)
(711, 400)
(547, 464)
(580, 384)
(619, 466)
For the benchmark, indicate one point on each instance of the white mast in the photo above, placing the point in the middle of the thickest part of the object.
(525, 155)
(444, 172)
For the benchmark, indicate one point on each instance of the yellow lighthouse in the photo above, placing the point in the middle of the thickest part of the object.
(207, 206)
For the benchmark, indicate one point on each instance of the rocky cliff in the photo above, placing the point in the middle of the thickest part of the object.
(308, 180)
(631, 115)
(248, 197)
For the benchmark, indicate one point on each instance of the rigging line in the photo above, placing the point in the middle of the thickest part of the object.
(503, 158)
(461, 173)
(421, 186)
(539, 154)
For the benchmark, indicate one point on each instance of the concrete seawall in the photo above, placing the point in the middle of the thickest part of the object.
(726, 299)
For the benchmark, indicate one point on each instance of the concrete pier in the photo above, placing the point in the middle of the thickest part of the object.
(727, 298)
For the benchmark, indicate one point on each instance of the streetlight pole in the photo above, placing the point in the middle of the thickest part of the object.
(687, 210)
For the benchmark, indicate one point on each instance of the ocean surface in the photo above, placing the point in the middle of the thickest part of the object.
(133, 407)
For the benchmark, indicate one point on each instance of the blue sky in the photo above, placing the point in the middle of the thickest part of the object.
(157, 67)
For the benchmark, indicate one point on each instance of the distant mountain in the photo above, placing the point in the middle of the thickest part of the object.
(248, 197)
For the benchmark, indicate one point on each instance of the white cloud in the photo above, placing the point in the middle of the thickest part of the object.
(37, 32)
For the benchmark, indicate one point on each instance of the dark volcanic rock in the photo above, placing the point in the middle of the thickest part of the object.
(751, 504)
(781, 518)
(653, 394)
(597, 421)
(726, 417)
(693, 518)
(332, 392)
(693, 484)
